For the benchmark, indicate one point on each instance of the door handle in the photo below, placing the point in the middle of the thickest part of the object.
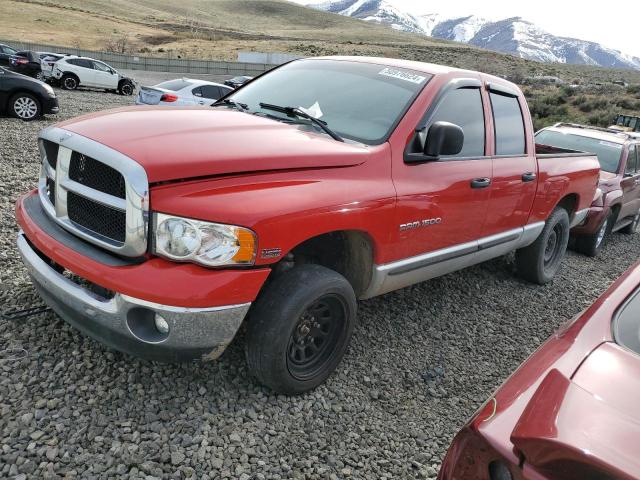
(528, 177)
(480, 182)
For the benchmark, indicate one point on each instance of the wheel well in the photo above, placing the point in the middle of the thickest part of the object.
(348, 252)
(569, 203)
(22, 90)
(123, 81)
(70, 74)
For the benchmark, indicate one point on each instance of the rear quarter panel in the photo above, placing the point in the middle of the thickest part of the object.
(560, 177)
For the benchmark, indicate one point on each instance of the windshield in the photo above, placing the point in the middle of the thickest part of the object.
(608, 153)
(359, 101)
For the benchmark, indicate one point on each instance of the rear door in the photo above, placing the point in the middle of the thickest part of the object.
(443, 203)
(631, 184)
(514, 164)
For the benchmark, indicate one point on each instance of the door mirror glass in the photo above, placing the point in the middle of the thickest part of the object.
(443, 138)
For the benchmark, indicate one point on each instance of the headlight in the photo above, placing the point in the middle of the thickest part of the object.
(209, 244)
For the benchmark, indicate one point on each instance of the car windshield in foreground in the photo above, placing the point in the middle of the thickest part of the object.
(609, 153)
(359, 101)
(174, 85)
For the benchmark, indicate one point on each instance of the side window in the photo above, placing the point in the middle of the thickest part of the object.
(464, 108)
(632, 161)
(509, 125)
(225, 91)
(84, 63)
(197, 91)
(209, 91)
(102, 67)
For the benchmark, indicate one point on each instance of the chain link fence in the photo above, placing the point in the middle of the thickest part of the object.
(152, 64)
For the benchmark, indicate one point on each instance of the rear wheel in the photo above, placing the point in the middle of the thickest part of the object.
(540, 261)
(25, 106)
(69, 82)
(591, 245)
(40, 76)
(299, 328)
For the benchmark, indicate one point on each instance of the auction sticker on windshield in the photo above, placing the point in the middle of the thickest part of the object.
(402, 75)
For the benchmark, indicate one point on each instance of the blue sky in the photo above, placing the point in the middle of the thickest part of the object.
(616, 27)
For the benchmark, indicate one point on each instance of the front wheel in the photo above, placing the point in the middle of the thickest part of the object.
(299, 328)
(126, 89)
(540, 261)
(591, 245)
(25, 107)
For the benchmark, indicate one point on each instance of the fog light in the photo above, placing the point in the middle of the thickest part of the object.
(161, 324)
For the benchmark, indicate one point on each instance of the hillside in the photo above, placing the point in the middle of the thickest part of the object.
(220, 28)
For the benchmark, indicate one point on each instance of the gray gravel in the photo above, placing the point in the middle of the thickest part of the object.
(421, 361)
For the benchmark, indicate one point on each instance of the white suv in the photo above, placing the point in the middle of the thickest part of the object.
(73, 72)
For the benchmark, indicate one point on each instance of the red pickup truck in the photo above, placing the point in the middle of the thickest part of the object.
(327, 180)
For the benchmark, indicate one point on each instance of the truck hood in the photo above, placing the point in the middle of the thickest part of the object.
(174, 143)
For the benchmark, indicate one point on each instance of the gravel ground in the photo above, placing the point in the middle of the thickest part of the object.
(421, 361)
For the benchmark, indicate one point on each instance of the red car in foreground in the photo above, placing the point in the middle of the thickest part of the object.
(571, 410)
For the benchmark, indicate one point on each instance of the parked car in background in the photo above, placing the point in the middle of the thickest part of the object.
(236, 82)
(626, 123)
(616, 206)
(27, 62)
(74, 72)
(295, 196)
(6, 52)
(181, 92)
(570, 412)
(25, 98)
(47, 61)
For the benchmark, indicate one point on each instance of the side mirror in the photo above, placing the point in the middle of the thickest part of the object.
(443, 138)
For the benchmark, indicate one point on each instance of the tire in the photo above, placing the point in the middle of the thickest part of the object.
(633, 226)
(540, 261)
(590, 245)
(69, 82)
(25, 107)
(126, 88)
(299, 328)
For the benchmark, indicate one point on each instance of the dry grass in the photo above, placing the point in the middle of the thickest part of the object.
(219, 29)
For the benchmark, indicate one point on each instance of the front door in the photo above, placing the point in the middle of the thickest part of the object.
(104, 76)
(443, 203)
(631, 184)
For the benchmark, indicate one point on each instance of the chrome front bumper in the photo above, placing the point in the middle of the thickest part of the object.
(128, 324)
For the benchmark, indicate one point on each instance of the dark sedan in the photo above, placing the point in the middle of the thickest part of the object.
(27, 63)
(24, 97)
(237, 82)
(6, 52)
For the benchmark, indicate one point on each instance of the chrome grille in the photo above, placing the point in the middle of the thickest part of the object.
(94, 191)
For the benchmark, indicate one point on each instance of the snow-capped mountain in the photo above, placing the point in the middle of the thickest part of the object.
(512, 35)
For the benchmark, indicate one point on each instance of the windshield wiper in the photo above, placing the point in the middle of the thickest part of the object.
(243, 107)
(296, 112)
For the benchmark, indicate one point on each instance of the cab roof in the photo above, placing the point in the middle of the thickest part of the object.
(430, 68)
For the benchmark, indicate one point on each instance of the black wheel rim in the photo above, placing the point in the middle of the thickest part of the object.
(552, 248)
(316, 336)
(70, 83)
(127, 90)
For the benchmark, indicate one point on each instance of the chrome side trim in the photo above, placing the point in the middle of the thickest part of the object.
(408, 271)
(579, 217)
(136, 202)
